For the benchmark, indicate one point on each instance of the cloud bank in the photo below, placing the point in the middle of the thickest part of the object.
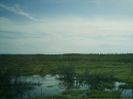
(68, 34)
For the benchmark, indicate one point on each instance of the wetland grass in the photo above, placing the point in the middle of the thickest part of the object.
(120, 65)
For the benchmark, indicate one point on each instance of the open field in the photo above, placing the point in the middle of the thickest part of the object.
(121, 65)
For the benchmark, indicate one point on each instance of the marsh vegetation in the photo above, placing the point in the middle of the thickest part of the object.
(96, 72)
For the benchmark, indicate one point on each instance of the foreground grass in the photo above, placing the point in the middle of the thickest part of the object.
(102, 94)
(78, 94)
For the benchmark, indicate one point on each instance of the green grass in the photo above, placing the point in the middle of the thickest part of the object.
(108, 85)
(119, 64)
(127, 86)
(102, 94)
(55, 97)
(67, 94)
(72, 92)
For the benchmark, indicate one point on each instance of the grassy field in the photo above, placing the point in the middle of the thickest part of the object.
(121, 65)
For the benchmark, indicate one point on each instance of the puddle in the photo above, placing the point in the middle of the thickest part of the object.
(44, 86)
(117, 84)
(125, 92)
(50, 85)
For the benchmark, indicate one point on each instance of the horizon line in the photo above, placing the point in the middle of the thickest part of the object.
(62, 53)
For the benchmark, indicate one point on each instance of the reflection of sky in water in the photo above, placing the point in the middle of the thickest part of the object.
(117, 84)
(50, 86)
(125, 92)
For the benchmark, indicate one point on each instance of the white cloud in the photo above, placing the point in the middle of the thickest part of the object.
(17, 10)
(70, 26)
(71, 34)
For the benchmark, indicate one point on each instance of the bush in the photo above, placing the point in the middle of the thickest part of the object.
(97, 80)
(127, 86)
(108, 85)
(9, 88)
(67, 74)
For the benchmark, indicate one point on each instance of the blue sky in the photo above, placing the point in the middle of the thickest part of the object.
(66, 26)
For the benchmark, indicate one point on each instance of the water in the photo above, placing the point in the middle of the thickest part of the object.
(125, 92)
(50, 85)
(44, 86)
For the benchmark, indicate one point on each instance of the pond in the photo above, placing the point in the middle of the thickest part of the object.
(43, 86)
(50, 85)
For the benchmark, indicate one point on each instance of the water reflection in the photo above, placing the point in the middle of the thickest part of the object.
(51, 85)
(125, 92)
(44, 86)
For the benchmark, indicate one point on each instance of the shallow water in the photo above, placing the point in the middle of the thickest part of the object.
(45, 86)
(50, 85)
(125, 92)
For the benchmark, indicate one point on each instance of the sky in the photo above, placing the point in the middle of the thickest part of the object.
(66, 26)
